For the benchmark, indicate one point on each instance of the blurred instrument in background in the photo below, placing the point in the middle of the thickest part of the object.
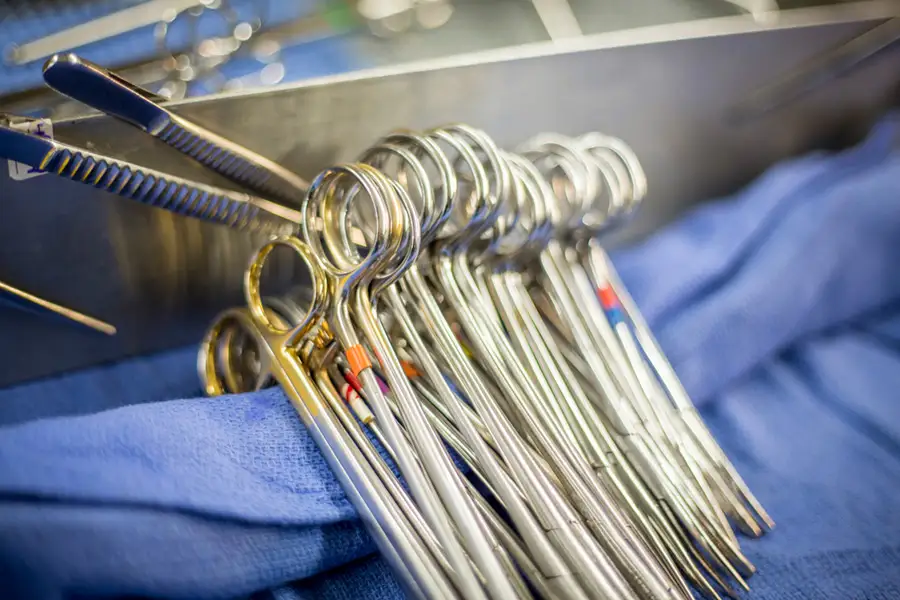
(245, 50)
(820, 70)
(387, 18)
(557, 18)
(95, 30)
(762, 10)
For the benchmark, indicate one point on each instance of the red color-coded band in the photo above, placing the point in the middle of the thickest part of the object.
(608, 298)
(353, 381)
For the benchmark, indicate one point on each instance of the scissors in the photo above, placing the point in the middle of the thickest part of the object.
(394, 242)
(279, 350)
(668, 460)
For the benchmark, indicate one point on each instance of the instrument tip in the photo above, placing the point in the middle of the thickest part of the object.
(63, 57)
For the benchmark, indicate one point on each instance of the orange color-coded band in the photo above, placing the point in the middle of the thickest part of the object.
(409, 369)
(358, 359)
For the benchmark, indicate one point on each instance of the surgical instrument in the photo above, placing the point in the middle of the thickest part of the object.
(117, 23)
(103, 90)
(558, 18)
(819, 71)
(277, 348)
(687, 493)
(500, 436)
(355, 284)
(22, 300)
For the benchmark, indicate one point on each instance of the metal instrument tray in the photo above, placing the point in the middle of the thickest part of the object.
(672, 92)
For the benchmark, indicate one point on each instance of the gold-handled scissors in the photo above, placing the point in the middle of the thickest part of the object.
(279, 348)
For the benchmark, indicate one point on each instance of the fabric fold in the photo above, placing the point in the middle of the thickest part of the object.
(738, 281)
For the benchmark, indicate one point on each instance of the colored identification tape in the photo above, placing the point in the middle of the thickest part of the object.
(611, 305)
(410, 369)
(358, 359)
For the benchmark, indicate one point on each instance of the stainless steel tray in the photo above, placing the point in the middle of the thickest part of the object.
(669, 91)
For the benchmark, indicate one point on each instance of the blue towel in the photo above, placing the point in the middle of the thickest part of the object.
(779, 307)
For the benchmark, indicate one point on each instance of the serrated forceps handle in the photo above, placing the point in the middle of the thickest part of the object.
(148, 186)
(103, 90)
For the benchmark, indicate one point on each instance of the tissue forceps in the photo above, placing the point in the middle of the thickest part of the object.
(105, 91)
(273, 210)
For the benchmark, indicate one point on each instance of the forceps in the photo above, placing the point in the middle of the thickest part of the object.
(541, 354)
(279, 191)
(414, 288)
(687, 432)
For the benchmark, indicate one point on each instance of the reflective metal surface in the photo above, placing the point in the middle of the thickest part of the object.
(668, 90)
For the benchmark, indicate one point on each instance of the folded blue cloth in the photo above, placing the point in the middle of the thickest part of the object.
(779, 307)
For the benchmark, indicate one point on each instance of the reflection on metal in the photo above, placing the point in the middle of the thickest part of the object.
(179, 68)
(821, 70)
(668, 90)
(388, 18)
(191, 266)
